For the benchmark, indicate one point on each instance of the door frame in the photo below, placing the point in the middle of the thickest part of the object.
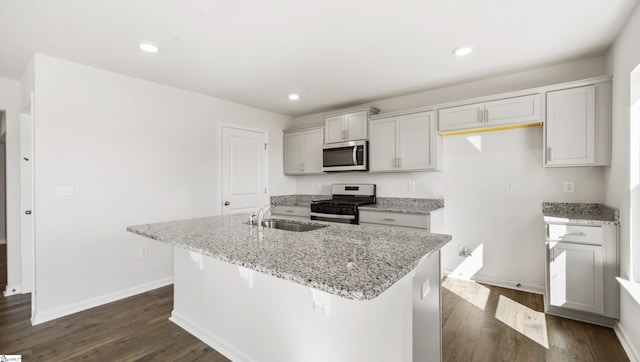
(220, 175)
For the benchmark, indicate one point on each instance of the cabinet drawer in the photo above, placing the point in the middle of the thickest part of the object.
(292, 210)
(575, 233)
(395, 218)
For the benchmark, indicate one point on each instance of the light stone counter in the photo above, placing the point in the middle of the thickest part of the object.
(352, 261)
(405, 205)
(580, 213)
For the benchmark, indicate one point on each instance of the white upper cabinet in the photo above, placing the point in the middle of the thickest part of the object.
(403, 143)
(500, 112)
(348, 126)
(303, 151)
(577, 129)
(512, 110)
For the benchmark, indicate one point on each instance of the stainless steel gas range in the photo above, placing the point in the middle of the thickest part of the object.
(343, 206)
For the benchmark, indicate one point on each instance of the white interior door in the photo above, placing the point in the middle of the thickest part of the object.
(26, 202)
(244, 170)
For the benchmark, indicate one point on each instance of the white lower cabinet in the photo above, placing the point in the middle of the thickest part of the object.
(303, 151)
(404, 143)
(581, 267)
(576, 277)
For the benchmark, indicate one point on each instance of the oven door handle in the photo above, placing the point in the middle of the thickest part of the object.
(333, 216)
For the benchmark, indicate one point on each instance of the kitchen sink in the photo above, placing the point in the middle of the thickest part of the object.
(291, 225)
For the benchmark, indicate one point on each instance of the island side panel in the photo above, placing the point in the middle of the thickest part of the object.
(427, 310)
(263, 318)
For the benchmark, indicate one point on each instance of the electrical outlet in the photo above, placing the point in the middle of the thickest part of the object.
(143, 252)
(508, 186)
(411, 185)
(569, 186)
(426, 288)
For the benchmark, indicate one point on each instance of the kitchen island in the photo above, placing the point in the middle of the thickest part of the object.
(341, 292)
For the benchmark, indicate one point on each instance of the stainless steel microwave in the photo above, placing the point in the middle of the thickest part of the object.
(345, 156)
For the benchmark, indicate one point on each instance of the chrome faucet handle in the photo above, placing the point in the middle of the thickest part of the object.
(251, 222)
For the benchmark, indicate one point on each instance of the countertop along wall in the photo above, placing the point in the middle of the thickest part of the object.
(504, 230)
(135, 152)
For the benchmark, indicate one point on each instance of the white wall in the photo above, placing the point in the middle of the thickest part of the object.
(622, 58)
(135, 152)
(10, 103)
(505, 228)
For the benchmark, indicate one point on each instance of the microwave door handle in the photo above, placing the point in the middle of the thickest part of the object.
(355, 155)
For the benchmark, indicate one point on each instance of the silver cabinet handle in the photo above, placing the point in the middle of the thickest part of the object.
(302, 166)
(479, 115)
(574, 234)
(288, 210)
(399, 161)
(332, 216)
(389, 219)
(548, 153)
(486, 115)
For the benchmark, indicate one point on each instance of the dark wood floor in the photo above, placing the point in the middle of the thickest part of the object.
(132, 329)
(480, 323)
(487, 323)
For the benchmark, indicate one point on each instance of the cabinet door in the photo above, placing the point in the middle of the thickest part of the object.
(570, 126)
(334, 129)
(414, 150)
(312, 151)
(382, 145)
(292, 148)
(469, 116)
(576, 277)
(512, 110)
(356, 126)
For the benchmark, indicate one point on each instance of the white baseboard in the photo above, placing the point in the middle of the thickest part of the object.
(509, 284)
(11, 290)
(627, 343)
(205, 336)
(48, 315)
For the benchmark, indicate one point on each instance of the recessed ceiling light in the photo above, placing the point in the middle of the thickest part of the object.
(461, 52)
(294, 97)
(149, 47)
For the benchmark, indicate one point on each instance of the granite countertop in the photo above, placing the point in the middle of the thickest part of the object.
(388, 204)
(580, 213)
(352, 261)
(297, 200)
(405, 205)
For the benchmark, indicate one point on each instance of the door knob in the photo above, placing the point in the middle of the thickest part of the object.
(227, 203)
(28, 212)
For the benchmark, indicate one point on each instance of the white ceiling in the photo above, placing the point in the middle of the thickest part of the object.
(334, 53)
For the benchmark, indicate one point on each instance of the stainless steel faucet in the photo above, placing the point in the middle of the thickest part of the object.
(262, 213)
